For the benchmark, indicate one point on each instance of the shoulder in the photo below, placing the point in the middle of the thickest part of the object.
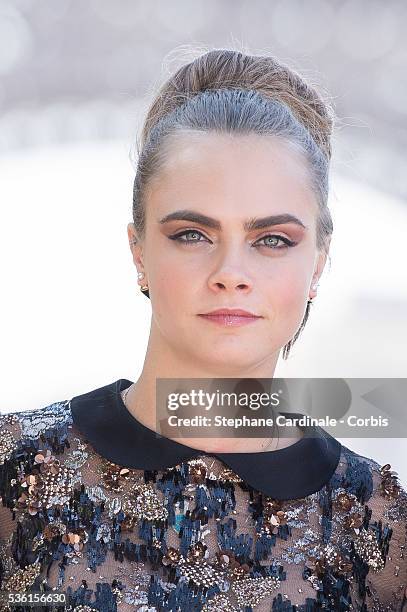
(373, 505)
(26, 433)
(19, 428)
(374, 485)
(32, 423)
(367, 478)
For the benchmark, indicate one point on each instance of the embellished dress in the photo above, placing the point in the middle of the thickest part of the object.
(100, 508)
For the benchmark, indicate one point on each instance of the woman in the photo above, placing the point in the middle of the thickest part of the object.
(230, 212)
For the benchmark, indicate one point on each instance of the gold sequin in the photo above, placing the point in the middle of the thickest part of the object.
(114, 476)
(75, 539)
(228, 475)
(327, 557)
(226, 559)
(353, 521)
(344, 501)
(250, 591)
(368, 549)
(145, 504)
(389, 485)
(197, 471)
(197, 551)
(53, 486)
(172, 557)
(7, 445)
(22, 579)
(219, 603)
(139, 496)
(201, 573)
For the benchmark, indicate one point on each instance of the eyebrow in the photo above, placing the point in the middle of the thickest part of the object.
(251, 224)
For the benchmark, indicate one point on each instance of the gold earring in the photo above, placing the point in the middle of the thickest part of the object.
(144, 288)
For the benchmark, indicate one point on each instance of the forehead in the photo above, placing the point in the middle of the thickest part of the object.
(214, 169)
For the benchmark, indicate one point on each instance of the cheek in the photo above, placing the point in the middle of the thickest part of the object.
(171, 287)
(287, 292)
(177, 276)
(289, 275)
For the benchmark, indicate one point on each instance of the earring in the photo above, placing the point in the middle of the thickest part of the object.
(288, 346)
(144, 288)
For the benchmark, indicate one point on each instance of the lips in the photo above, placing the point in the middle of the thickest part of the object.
(230, 317)
(236, 312)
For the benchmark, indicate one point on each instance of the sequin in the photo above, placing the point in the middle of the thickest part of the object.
(367, 548)
(7, 445)
(389, 486)
(194, 536)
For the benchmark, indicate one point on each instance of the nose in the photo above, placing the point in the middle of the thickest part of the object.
(231, 267)
(229, 284)
(230, 276)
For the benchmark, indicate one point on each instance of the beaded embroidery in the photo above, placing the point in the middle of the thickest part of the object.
(184, 538)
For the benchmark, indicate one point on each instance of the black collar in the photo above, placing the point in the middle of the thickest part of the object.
(287, 473)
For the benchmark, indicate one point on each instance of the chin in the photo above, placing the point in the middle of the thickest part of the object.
(228, 361)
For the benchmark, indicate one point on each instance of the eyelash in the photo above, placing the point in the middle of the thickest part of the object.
(288, 243)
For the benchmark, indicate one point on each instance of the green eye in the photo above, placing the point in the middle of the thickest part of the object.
(277, 238)
(179, 236)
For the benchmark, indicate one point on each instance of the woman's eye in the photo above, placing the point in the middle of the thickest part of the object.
(179, 237)
(272, 240)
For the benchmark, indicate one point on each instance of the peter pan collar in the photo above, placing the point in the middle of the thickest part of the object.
(287, 473)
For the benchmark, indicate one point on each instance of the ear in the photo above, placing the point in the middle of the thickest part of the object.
(321, 259)
(135, 247)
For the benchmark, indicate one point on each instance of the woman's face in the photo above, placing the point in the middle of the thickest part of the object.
(268, 271)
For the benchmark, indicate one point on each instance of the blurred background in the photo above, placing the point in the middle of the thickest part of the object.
(76, 78)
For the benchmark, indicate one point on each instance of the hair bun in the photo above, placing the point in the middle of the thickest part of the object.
(224, 68)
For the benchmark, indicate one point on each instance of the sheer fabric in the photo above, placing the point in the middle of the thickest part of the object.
(193, 536)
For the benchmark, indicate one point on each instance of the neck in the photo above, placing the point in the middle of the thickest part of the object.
(162, 361)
